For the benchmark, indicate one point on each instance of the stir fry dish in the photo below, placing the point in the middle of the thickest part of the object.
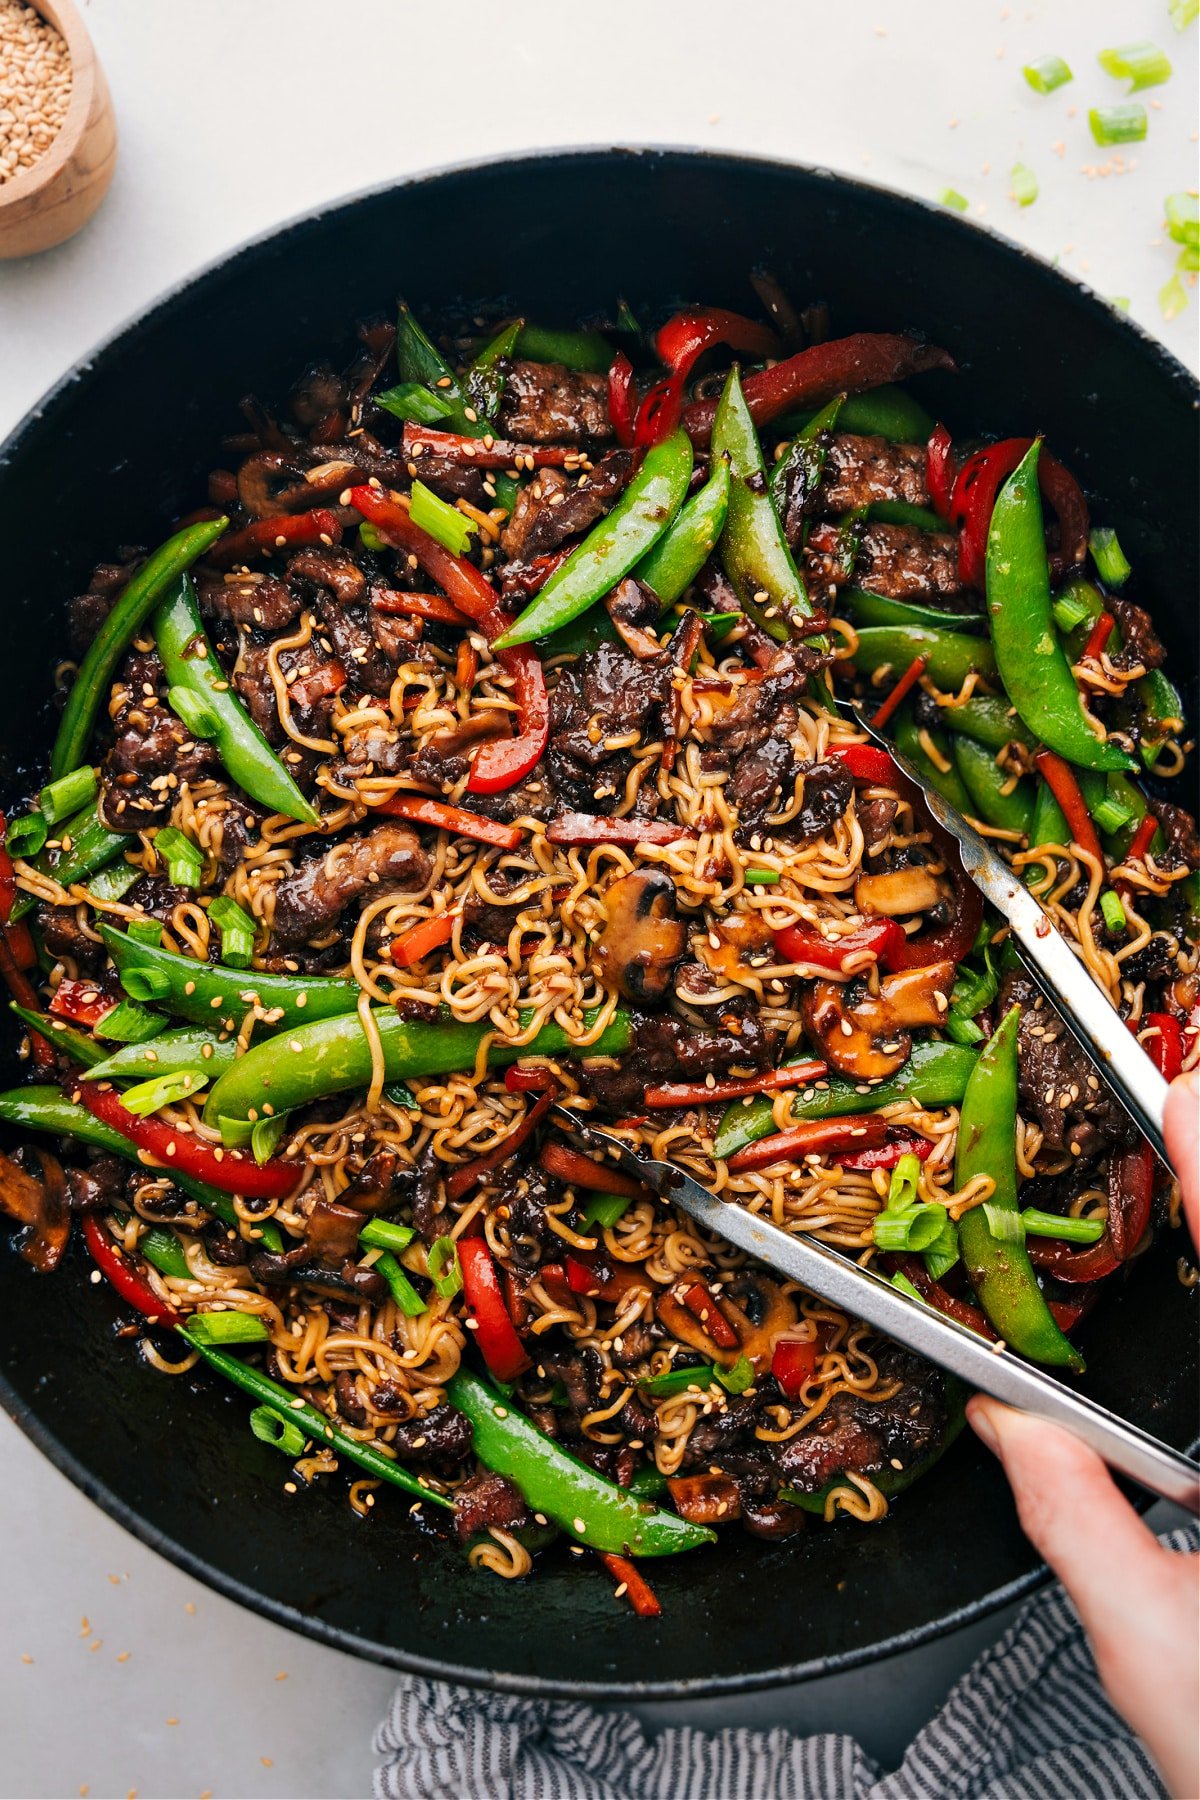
(479, 743)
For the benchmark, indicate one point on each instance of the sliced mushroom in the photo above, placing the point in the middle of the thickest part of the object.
(643, 938)
(271, 483)
(757, 1308)
(634, 610)
(899, 892)
(865, 1035)
(740, 936)
(40, 1206)
(706, 1499)
(331, 1234)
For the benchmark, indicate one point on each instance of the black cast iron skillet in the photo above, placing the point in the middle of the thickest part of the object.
(120, 448)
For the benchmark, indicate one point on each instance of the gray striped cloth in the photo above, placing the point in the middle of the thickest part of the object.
(1028, 1722)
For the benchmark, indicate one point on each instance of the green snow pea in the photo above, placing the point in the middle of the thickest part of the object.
(189, 1047)
(209, 993)
(947, 782)
(669, 569)
(584, 350)
(866, 608)
(886, 412)
(985, 782)
(952, 654)
(989, 719)
(754, 549)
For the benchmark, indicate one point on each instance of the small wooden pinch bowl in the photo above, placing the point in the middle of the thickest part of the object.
(48, 203)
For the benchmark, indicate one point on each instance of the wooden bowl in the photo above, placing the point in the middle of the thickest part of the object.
(48, 203)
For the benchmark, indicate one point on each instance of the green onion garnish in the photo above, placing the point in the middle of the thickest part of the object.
(1172, 298)
(1118, 124)
(1053, 1225)
(1070, 610)
(184, 860)
(218, 1328)
(917, 1228)
(1182, 12)
(113, 882)
(237, 930)
(761, 877)
(1109, 557)
(1111, 813)
(1004, 1223)
(737, 1379)
(1144, 65)
(269, 1428)
(381, 1234)
(266, 1135)
(1188, 260)
(943, 1253)
(147, 1097)
(195, 712)
(445, 1271)
(961, 1028)
(1120, 301)
(902, 1282)
(26, 836)
(163, 1251)
(1183, 218)
(403, 1292)
(1111, 908)
(370, 538)
(145, 931)
(69, 794)
(1023, 184)
(443, 522)
(605, 1209)
(409, 400)
(1048, 73)
(678, 1381)
(973, 990)
(954, 200)
(146, 984)
(129, 1023)
(902, 1187)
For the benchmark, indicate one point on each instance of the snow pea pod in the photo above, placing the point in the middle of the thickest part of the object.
(669, 569)
(76, 1044)
(986, 782)
(613, 547)
(866, 608)
(191, 662)
(998, 1265)
(334, 1055)
(989, 719)
(419, 360)
(904, 512)
(87, 845)
(594, 1510)
(951, 655)
(886, 412)
(585, 350)
(947, 782)
(754, 550)
(190, 1047)
(209, 993)
(90, 689)
(1032, 662)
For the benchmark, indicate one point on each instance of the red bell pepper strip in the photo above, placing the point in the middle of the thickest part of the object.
(801, 944)
(502, 763)
(1061, 781)
(1100, 633)
(680, 343)
(939, 470)
(530, 1079)
(934, 1294)
(704, 1306)
(411, 946)
(433, 607)
(287, 532)
(637, 1589)
(909, 679)
(1130, 1198)
(794, 1362)
(658, 414)
(424, 811)
(1165, 1051)
(974, 498)
(907, 1143)
(621, 399)
(867, 762)
(592, 1273)
(461, 1180)
(21, 945)
(947, 943)
(530, 578)
(849, 365)
(495, 1333)
(601, 1178)
(582, 830)
(484, 453)
(172, 1148)
(1141, 840)
(118, 1270)
(81, 1002)
(697, 1093)
(23, 991)
(854, 1133)
(329, 679)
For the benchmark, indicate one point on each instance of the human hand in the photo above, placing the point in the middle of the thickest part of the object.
(1138, 1603)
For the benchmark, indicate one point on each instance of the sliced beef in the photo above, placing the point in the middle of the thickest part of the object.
(65, 937)
(545, 403)
(606, 695)
(310, 901)
(1140, 643)
(716, 1433)
(153, 752)
(898, 561)
(828, 787)
(445, 757)
(1056, 1084)
(876, 819)
(452, 481)
(755, 713)
(862, 470)
(99, 1184)
(486, 921)
(428, 1195)
(442, 1438)
(556, 506)
(261, 601)
(340, 588)
(763, 776)
(666, 1049)
(86, 613)
(158, 897)
(856, 1433)
(525, 1193)
(1179, 829)
(382, 1182)
(240, 825)
(488, 1499)
(257, 693)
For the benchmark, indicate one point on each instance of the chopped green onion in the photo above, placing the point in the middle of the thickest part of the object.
(26, 836)
(917, 1228)
(902, 1282)
(370, 538)
(605, 1209)
(1023, 184)
(403, 1292)
(902, 1187)
(761, 877)
(1120, 301)
(1070, 610)
(943, 1253)
(1183, 218)
(1004, 1223)
(1111, 813)
(1053, 1225)
(69, 794)
(1172, 298)
(237, 930)
(737, 1379)
(954, 200)
(961, 1028)
(269, 1428)
(1118, 124)
(381, 1234)
(678, 1381)
(445, 1271)
(1188, 260)
(113, 882)
(195, 712)
(1144, 65)
(266, 1135)
(1109, 557)
(973, 991)
(145, 931)
(1111, 908)
(163, 1251)
(1047, 73)
(146, 984)
(401, 1095)
(409, 400)
(184, 860)
(147, 1097)
(1182, 12)
(442, 521)
(216, 1328)
(129, 1023)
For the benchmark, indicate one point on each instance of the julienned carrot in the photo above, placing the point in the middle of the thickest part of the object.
(632, 1585)
(1061, 781)
(456, 819)
(412, 945)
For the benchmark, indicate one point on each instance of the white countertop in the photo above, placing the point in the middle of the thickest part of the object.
(118, 1673)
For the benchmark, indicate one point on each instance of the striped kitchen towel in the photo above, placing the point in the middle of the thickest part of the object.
(1028, 1722)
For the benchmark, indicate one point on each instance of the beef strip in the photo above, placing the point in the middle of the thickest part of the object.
(485, 1500)
(607, 694)
(64, 936)
(868, 1436)
(545, 403)
(310, 901)
(261, 601)
(1140, 643)
(443, 1438)
(862, 470)
(158, 897)
(525, 1193)
(452, 480)
(86, 613)
(1055, 1081)
(153, 752)
(828, 787)
(340, 587)
(488, 922)
(898, 561)
(556, 506)
(240, 825)
(428, 1201)
(762, 777)
(1179, 829)
(666, 1049)
(100, 1184)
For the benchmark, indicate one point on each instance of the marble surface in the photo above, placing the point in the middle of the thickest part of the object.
(117, 1672)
